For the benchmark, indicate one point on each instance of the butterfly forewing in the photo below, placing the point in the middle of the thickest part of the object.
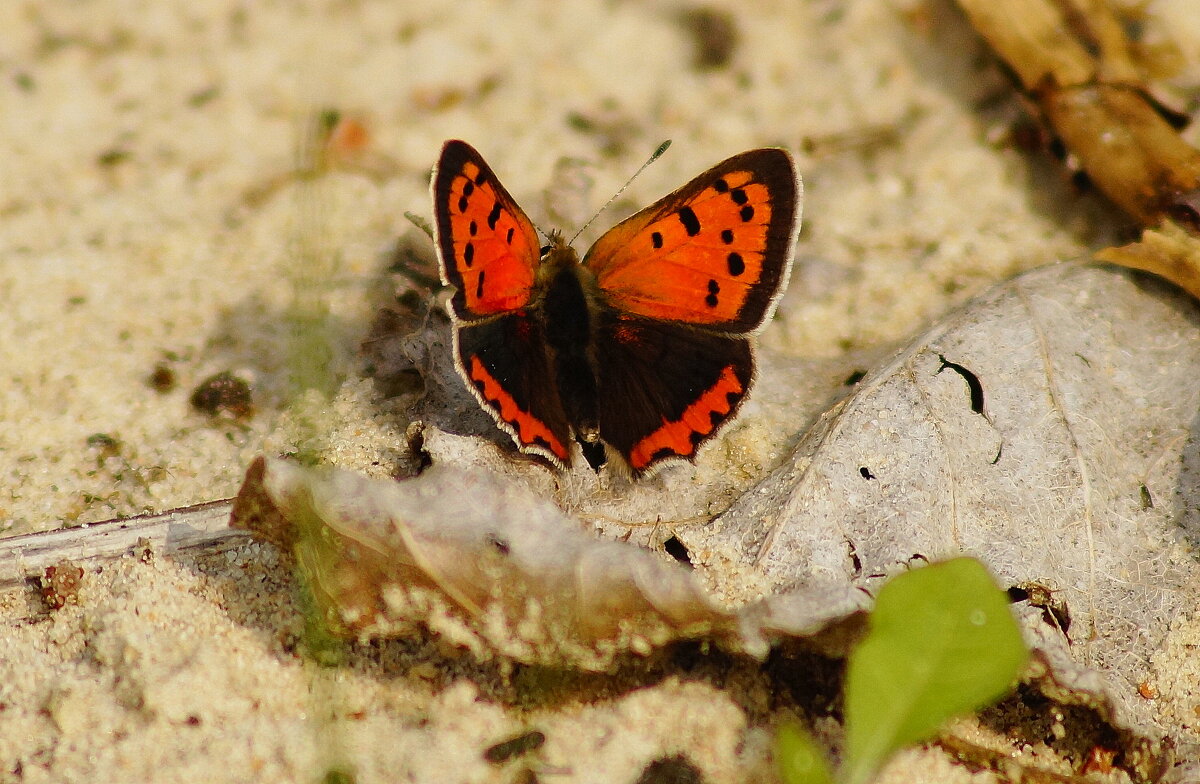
(487, 247)
(715, 254)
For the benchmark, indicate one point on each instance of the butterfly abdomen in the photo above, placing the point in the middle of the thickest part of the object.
(567, 316)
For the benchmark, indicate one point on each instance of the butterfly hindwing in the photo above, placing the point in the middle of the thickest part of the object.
(715, 253)
(666, 388)
(504, 362)
(487, 246)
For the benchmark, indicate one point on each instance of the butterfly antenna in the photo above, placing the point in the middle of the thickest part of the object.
(654, 156)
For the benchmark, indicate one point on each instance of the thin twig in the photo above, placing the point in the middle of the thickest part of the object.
(22, 557)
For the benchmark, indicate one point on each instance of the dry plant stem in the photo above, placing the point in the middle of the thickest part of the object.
(22, 557)
(1001, 761)
(1074, 61)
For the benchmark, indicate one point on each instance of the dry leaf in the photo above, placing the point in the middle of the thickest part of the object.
(1168, 251)
(489, 566)
(1076, 63)
(1046, 429)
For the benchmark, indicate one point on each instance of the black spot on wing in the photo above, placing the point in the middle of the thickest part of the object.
(469, 254)
(493, 216)
(727, 236)
(746, 214)
(479, 285)
(739, 196)
(737, 265)
(691, 224)
(656, 239)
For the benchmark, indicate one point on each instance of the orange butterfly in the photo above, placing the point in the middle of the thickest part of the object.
(644, 346)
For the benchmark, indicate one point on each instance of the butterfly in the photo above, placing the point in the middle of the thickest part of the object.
(642, 349)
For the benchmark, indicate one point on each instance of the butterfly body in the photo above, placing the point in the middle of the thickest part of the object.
(567, 308)
(642, 348)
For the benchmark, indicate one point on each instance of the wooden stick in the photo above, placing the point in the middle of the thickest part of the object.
(207, 524)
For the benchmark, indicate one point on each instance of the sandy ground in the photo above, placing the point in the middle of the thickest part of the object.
(152, 235)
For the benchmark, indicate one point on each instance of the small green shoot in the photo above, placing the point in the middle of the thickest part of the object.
(942, 642)
(421, 223)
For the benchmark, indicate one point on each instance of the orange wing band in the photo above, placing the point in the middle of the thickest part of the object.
(683, 435)
(530, 431)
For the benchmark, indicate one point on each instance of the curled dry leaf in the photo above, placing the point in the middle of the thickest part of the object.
(1046, 429)
(489, 566)
(1168, 251)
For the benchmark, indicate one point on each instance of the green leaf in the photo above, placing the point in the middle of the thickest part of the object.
(799, 758)
(942, 642)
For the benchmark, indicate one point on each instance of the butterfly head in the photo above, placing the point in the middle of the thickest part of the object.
(556, 255)
(554, 242)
